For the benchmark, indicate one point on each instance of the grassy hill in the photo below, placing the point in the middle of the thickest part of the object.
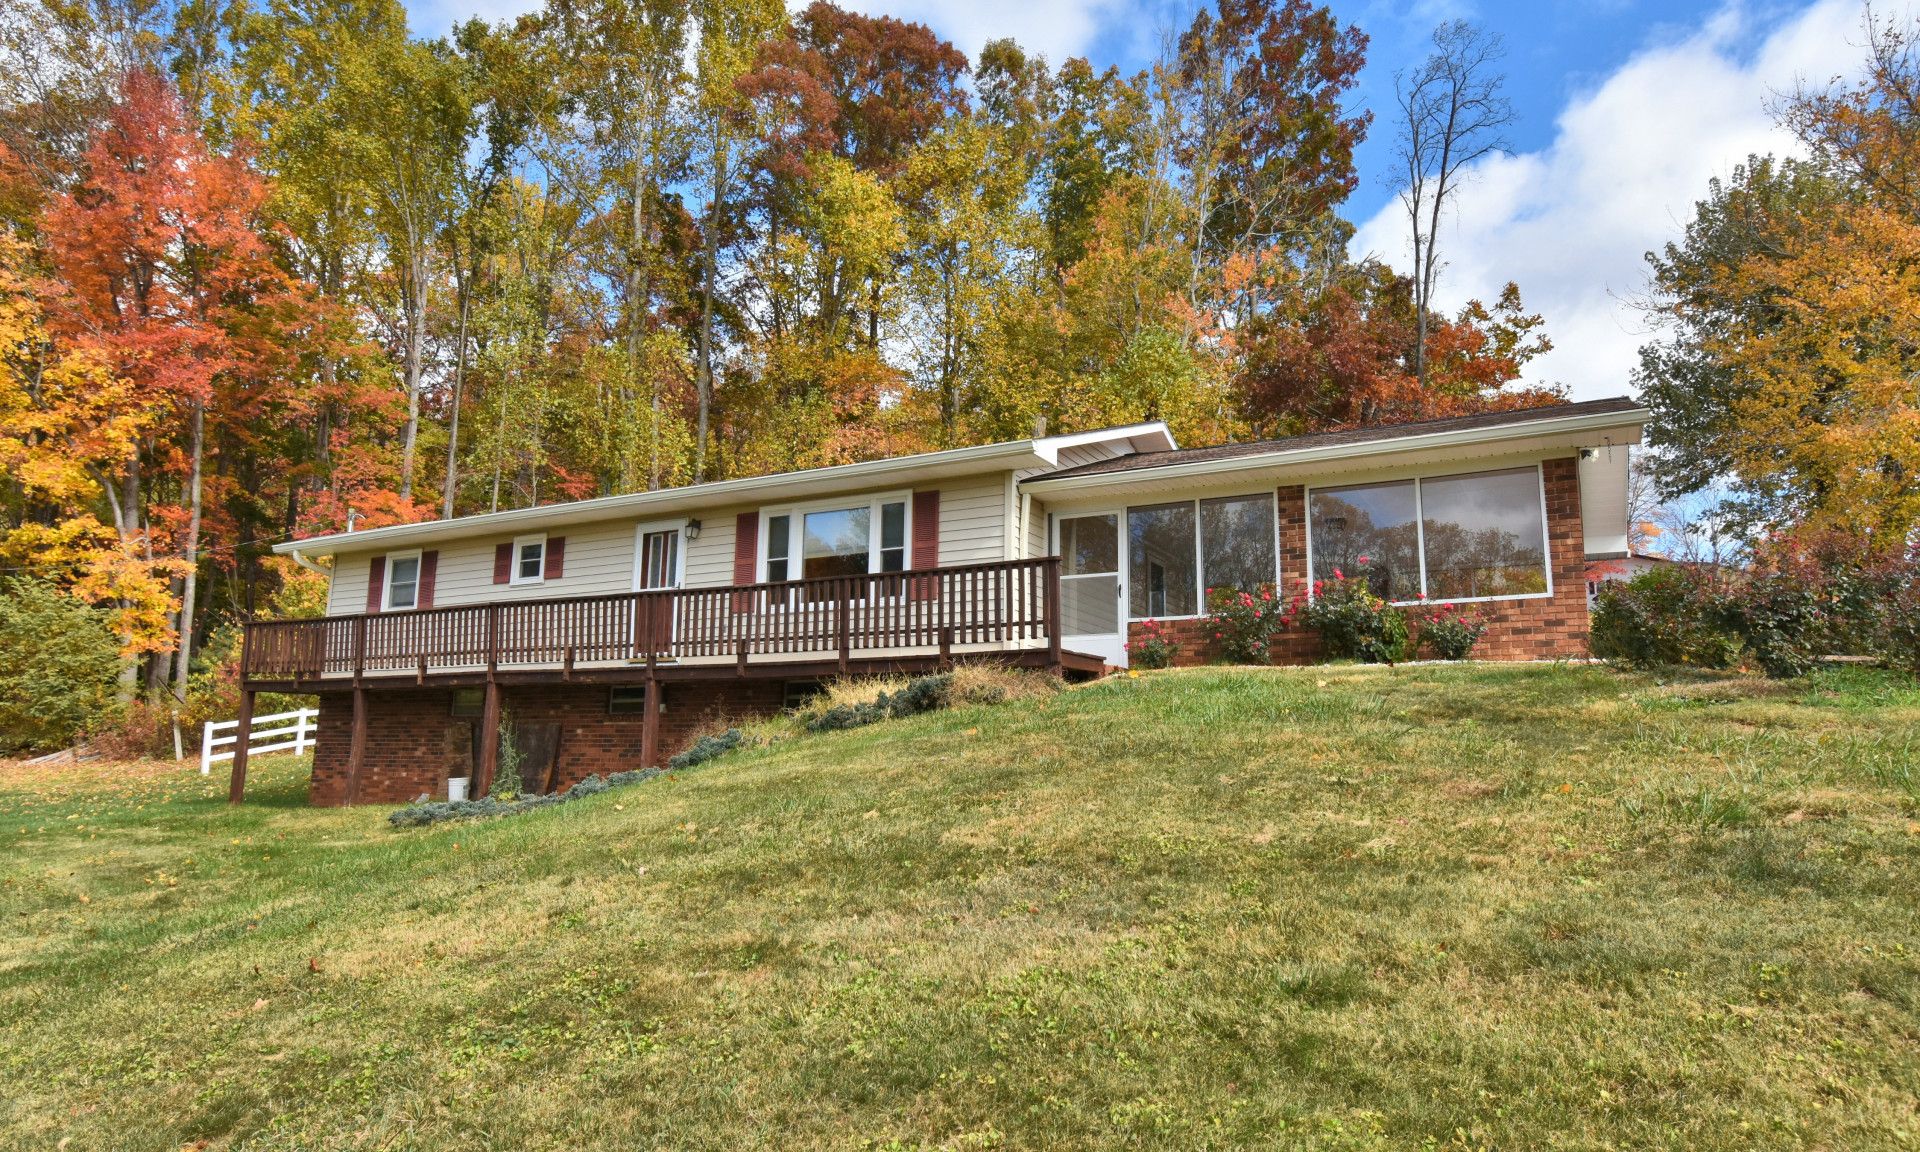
(1496, 907)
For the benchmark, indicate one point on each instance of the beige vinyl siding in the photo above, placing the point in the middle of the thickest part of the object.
(973, 522)
(599, 562)
(974, 529)
(710, 558)
(1036, 529)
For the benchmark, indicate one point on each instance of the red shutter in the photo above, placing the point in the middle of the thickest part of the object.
(376, 583)
(556, 558)
(746, 555)
(926, 542)
(429, 568)
(503, 563)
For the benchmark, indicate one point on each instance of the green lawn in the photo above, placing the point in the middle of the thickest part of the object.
(1501, 907)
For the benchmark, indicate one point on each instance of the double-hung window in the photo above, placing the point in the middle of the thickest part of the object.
(403, 581)
(1475, 536)
(529, 560)
(836, 539)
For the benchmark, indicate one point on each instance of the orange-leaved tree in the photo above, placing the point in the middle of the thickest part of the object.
(164, 277)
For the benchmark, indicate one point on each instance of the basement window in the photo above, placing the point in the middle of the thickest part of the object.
(631, 699)
(469, 701)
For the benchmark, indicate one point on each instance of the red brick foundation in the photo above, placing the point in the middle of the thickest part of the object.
(1544, 628)
(414, 742)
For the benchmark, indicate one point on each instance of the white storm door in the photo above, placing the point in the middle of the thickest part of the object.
(1092, 587)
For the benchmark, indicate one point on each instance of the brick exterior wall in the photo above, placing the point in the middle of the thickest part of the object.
(414, 742)
(1538, 629)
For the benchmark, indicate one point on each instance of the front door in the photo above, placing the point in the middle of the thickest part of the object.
(656, 567)
(1092, 590)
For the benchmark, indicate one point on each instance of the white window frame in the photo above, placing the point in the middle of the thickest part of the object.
(386, 581)
(796, 531)
(640, 534)
(1199, 553)
(519, 542)
(1420, 531)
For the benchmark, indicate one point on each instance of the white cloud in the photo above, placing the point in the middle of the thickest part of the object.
(1572, 222)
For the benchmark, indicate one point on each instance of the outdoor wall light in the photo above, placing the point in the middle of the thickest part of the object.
(692, 529)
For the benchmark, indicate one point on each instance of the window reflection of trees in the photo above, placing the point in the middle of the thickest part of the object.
(1368, 531)
(1484, 535)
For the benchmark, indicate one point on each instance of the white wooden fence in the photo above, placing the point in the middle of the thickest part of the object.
(295, 735)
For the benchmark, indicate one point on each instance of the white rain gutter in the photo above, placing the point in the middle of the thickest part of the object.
(1632, 418)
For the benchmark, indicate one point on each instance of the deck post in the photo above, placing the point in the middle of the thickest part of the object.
(1053, 614)
(650, 726)
(357, 747)
(359, 648)
(242, 736)
(946, 648)
(844, 603)
(489, 739)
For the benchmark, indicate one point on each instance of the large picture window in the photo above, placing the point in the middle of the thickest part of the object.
(1175, 552)
(1370, 530)
(1475, 536)
(818, 543)
(1236, 543)
(1484, 534)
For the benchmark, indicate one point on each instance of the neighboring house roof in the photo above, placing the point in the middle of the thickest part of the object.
(1463, 429)
(1041, 453)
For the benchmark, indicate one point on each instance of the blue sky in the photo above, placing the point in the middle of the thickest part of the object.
(1626, 109)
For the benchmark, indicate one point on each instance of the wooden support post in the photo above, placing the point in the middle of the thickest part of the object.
(489, 739)
(359, 648)
(946, 648)
(650, 726)
(566, 672)
(740, 665)
(357, 748)
(844, 602)
(242, 736)
(1053, 614)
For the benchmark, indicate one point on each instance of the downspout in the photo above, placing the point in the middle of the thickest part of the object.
(309, 565)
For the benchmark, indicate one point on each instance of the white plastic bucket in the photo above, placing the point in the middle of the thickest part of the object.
(456, 788)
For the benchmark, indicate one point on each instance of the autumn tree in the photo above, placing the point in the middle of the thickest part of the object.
(1792, 314)
(167, 282)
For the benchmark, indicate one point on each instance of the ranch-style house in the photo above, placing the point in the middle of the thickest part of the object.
(614, 630)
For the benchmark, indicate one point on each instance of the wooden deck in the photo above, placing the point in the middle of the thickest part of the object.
(1008, 611)
(916, 621)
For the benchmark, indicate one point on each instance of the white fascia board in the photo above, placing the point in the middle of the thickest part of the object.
(1618, 427)
(669, 501)
(1151, 436)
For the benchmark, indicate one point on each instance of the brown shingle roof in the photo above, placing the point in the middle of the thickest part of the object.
(1366, 435)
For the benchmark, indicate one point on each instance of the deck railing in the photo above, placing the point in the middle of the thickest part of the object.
(1014, 602)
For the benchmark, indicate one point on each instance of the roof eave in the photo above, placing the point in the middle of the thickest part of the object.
(1627, 420)
(668, 501)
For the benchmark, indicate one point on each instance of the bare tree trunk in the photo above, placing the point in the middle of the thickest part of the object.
(416, 321)
(459, 386)
(710, 259)
(190, 552)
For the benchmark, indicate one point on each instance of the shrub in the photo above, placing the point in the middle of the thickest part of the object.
(707, 748)
(1245, 623)
(57, 681)
(1671, 614)
(1155, 647)
(1354, 623)
(423, 811)
(1450, 633)
(924, 694)
(1779, 617)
